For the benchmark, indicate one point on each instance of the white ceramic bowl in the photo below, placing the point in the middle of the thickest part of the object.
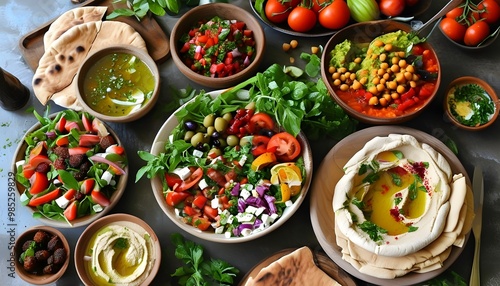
(158, 147)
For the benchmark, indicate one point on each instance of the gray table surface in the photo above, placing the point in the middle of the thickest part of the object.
(20, 17)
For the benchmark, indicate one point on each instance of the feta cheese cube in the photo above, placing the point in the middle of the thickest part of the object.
(246, 232)
(259, 211)
(230, 219)
(107, 176)
(97, 208)
(245, 194)
(242, 161)
(251, 209)
(197, 153)
(183, 173)
(227, 234)
(266, 220)
(219, 230)
(288, 203)
(202, 184)
(214, 203)
(62, 202)
(245, 217)
(273, 217)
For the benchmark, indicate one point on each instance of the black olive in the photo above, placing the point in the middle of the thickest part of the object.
(215, 135)
(215, 142)
(200, 146)
(190, 125)
(266, 132)
(427, 75)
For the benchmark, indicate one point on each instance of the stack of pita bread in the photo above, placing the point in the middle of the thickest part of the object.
(457, 225)
(294, 269)
(67, 43)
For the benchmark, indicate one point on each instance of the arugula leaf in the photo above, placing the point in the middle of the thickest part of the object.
(197, 270)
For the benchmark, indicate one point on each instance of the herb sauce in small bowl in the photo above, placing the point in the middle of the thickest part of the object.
(118, 84)
(470, 103)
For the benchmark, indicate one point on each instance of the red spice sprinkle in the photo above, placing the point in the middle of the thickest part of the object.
(395, 214)
(398, 195)
(385, 189)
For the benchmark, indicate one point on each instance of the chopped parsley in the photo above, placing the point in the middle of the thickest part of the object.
(374, 231)
(471, 105)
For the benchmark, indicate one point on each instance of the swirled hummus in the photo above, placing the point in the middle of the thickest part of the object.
(120, 255)
(394, 197)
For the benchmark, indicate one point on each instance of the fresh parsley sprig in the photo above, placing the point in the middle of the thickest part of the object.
(198, 271)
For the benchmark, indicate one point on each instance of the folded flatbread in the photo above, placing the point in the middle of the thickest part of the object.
(58, 66)
(70, 19)
(294, 269)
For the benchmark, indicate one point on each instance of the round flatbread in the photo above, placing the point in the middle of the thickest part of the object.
(60, 63)
(70, 19)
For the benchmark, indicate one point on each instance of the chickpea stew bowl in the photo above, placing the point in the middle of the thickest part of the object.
(218, 44)
(380, 72)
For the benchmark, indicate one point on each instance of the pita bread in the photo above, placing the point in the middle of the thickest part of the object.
(58, 66)
(70, 19)
(295, 269)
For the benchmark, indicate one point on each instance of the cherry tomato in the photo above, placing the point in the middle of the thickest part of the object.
(276, 11)
(320, 4)
(335, 16)
(199, 200)
(302, 19)
(391, 7)
(492, 14)
(172, 180)
(476, 33)
(210, 212)
(455, 13)
(175, 198)
(287, 147)
(453, 29)
(194, 178)
(260, 121)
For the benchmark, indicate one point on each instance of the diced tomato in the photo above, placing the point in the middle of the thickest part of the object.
(190, 211)
(202, 223)
(62, 140)
(70, 194)
(216, 176)
(71, 212)
(39, 182)
(260, 121)
(287, 147)
(175, 198)
(210, 212)
(78, 150)
(38, 159)
(195, 177)
(43, 199)
(89, 140)
(172, 180)
(100, 198)
(406, 104)
(426, 90)
(231, 175)
(28, 171)
(199, 201)
(248, 33)
(407, 95)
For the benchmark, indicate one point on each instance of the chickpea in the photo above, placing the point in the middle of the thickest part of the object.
(386, 76)
(388, 47)
(415, 77)
(314, 50)
(384, 66)
(387, 97)
(337, 82)
(292, 60)
(344, 87)
(400, 89)
(294, 44)
(395, 68)
(286, 47)
(408, 75)
(374, 56)
(376, 80)
(380, 72)
(382, 81)
(331, 69)
(372, 89)
(357, 60)
(382, 57)
(401, 54)
(394, 95)
(392, 85)
(410, 68)
(348, 74)
(342, 77)
(400, 78)
(363, 80)
(378, 43)
(336, 75)
(352, 76)
(413, 84)
(373, 100)
(382, 101)
(402, 63)
(342, 70)
(394, 60)
(356, 85)
(380, 87)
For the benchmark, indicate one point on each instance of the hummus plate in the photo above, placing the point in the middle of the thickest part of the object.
(322, 214)
(121, 248)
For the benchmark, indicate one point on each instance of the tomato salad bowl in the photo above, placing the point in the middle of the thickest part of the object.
(232, 175)
(380, 72)
(71, 169)
(217, 44)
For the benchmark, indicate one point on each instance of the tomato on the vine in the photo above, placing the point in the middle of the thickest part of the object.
(455, 13)
(392, 7)
(320, 4)
(302, 19)
(335, 16)
(476, 33)
(453, 29)
(276, 11)
(492, 11)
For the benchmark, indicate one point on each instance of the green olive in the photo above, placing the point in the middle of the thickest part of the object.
(228, 116)
(220, 124)
(210, 130)
(197, 139)
(222, 142)
(232, 140)
(208, 120)
(188, 135)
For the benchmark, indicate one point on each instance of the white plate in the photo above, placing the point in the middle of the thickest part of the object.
(158, 147)
(330, 172)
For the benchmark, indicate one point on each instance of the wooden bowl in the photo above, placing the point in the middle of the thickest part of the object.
(205, 13)
(89, 62)
(365, 32)
(40, 279)
(487, 88)
(130, 224)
